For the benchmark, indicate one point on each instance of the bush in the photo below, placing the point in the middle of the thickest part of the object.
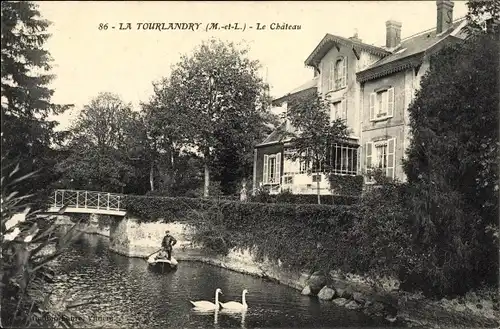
(420, 235)
(26, 272)
(346, 185)
(287, 197)
(166, 209)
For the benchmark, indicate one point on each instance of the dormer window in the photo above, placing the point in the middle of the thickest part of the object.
(337, 78)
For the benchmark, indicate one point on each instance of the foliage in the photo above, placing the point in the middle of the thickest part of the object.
(453, 159)
(315, 133)
(481, 12)
(379, 237)
(26, 256)
(346, 185)
(218, 89)
(166, 128)
(210, 229)
(102, 143)
(167, 209)
(183, 179)
(263, 196)
(27, 134)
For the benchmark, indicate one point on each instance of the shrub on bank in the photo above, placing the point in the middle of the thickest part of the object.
(26, 273)
(287, 197)
(298, 235)
(167, 209)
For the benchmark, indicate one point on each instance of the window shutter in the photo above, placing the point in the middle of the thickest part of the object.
(344, 72)
(278, 167)
(384, 102)
(373, 98)
(264, 172)
(390, 105)
(368, 153)
(343, 106)
(391, 157)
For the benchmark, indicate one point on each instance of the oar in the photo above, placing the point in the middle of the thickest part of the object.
(153, 253)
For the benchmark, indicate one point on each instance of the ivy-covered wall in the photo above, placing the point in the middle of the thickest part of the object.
(299, 235)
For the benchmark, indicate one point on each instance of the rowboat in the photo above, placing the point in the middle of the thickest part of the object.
(162, 264)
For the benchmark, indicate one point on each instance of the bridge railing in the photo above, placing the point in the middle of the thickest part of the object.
(87, 199)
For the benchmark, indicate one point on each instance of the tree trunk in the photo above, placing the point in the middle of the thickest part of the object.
(206, 185)
(151, 176)
(207, 181)
(319, 195)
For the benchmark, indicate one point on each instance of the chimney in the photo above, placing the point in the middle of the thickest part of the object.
(355, 36)
(393, 34)
(444, 15)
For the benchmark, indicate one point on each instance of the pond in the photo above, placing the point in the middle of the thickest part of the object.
(129, 295)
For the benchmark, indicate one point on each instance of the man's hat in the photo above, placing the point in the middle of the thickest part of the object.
(167, 231)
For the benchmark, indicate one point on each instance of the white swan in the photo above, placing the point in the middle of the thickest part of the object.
(236, 306)
(206, 305)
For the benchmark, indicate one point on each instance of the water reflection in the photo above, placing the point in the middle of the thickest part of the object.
(129, 295)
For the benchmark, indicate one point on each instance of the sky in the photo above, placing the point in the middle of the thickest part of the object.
(87, 61)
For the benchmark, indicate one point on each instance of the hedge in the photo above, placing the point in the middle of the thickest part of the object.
(304, 199)
(166, 209)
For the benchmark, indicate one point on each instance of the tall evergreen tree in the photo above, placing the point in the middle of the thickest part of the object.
(453, 162)
(27, 134)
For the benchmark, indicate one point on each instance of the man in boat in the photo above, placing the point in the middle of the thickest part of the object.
(168, 242)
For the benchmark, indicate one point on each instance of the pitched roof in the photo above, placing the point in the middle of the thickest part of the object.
(409, 52)
(275, 137)
(311, 84)
(329, 41)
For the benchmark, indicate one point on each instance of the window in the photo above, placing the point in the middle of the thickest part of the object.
(381, 155)
(303, 166)
(338, 110)
(288, 180)
(382, 104)
(337, 77)
(343, 159)
(297, 166)
(316, 178)
(272, 168)
(340, 73)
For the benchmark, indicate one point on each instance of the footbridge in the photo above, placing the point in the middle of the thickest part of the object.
(87, 202)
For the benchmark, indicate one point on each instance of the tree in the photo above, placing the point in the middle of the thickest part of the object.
(104, 138)
(233, 156)
(27, 134)
(219, 89)
(316, 134)
(452, 161)
(483, 14)
(166, 132)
